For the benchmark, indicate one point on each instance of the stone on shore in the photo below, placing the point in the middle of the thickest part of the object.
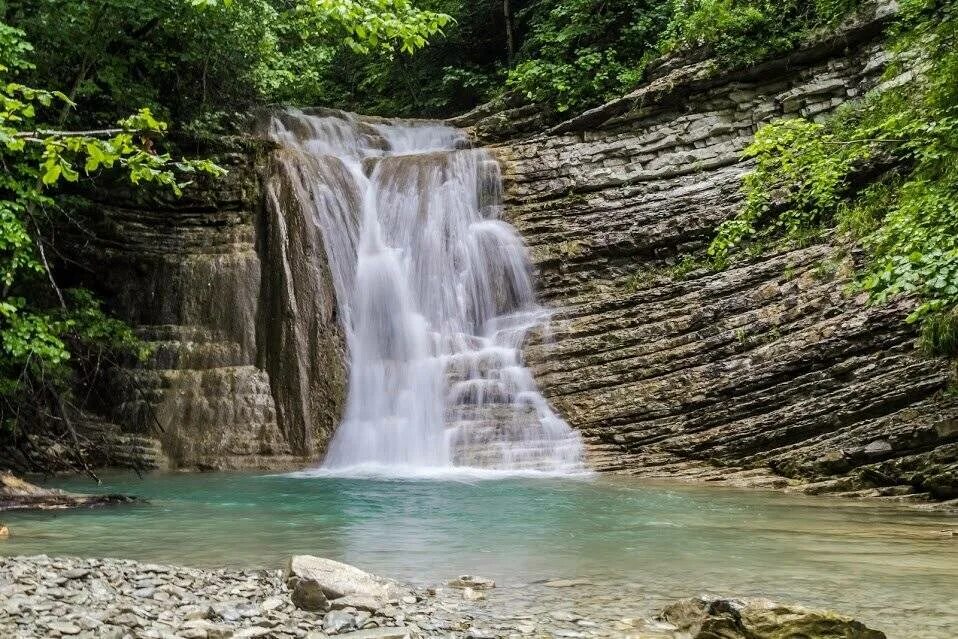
(112, 599)
(308, 595)
(702, 618)
(339, 621)
(338, 579)
(472, 581)
(360, 602)
(471, 594)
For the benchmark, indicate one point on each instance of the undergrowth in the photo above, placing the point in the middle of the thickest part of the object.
(808, 179)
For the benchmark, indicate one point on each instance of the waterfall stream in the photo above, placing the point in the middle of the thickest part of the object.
(435, 295)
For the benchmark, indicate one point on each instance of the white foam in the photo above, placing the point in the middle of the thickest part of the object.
(462, 474)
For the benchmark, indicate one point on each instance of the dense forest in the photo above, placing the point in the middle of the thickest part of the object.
(94, 88)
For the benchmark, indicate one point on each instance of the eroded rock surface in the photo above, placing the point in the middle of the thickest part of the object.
(767, 373)
(204, 281)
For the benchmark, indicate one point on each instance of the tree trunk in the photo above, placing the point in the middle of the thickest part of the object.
(510, 42)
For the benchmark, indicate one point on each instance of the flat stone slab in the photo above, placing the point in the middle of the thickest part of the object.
(338, 579)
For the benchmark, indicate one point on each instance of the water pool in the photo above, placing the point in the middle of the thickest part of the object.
(634, 544)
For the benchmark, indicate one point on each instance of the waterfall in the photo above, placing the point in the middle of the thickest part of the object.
(434, 294)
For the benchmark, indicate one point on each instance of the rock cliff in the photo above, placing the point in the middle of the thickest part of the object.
(207, 281)
(769, 372)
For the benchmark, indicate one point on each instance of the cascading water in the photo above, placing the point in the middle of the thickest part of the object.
(434, 293)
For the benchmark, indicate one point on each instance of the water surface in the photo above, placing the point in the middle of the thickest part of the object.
(637, 544)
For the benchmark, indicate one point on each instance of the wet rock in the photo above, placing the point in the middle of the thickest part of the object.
(471, 594)
(308, 595)
(472, 581)
(4, 532)
(759, 619)
(338, 579)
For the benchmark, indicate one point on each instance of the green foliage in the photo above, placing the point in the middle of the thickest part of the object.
(185, 58)
(805, 179)
(579, 53)
(744, 32)
(582, 52)
(450, 75)
(799, 180)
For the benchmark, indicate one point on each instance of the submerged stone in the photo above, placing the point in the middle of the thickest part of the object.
(703, 618)
(472, 581)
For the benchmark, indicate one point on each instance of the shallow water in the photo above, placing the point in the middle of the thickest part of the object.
(638, 544)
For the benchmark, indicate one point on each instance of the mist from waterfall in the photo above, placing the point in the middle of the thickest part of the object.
(434, 293)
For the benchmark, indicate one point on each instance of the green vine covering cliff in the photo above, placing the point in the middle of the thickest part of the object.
(883, 173)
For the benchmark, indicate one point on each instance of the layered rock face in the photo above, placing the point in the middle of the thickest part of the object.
(202, 285)
(766, 371)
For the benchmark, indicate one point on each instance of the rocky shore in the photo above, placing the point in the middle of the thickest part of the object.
(315, 598)
(17, 494)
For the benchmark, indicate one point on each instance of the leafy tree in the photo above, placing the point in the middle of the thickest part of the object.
(581, 52)
(450, 75)
(42, 327)
(186, 58)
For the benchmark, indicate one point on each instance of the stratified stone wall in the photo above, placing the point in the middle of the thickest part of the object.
(188, 273)
(766, 371)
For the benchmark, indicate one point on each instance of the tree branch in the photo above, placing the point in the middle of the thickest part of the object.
(40, 134)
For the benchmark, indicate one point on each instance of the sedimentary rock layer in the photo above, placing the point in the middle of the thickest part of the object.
(768, 370)
(203, 279)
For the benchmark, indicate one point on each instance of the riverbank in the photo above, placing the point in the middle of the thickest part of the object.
(114, 598)
(19, 494)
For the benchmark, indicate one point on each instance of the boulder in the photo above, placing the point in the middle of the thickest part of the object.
(704, 618)
(308, 595)
(337, 579)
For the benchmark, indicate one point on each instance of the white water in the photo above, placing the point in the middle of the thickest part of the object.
(435, 295)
